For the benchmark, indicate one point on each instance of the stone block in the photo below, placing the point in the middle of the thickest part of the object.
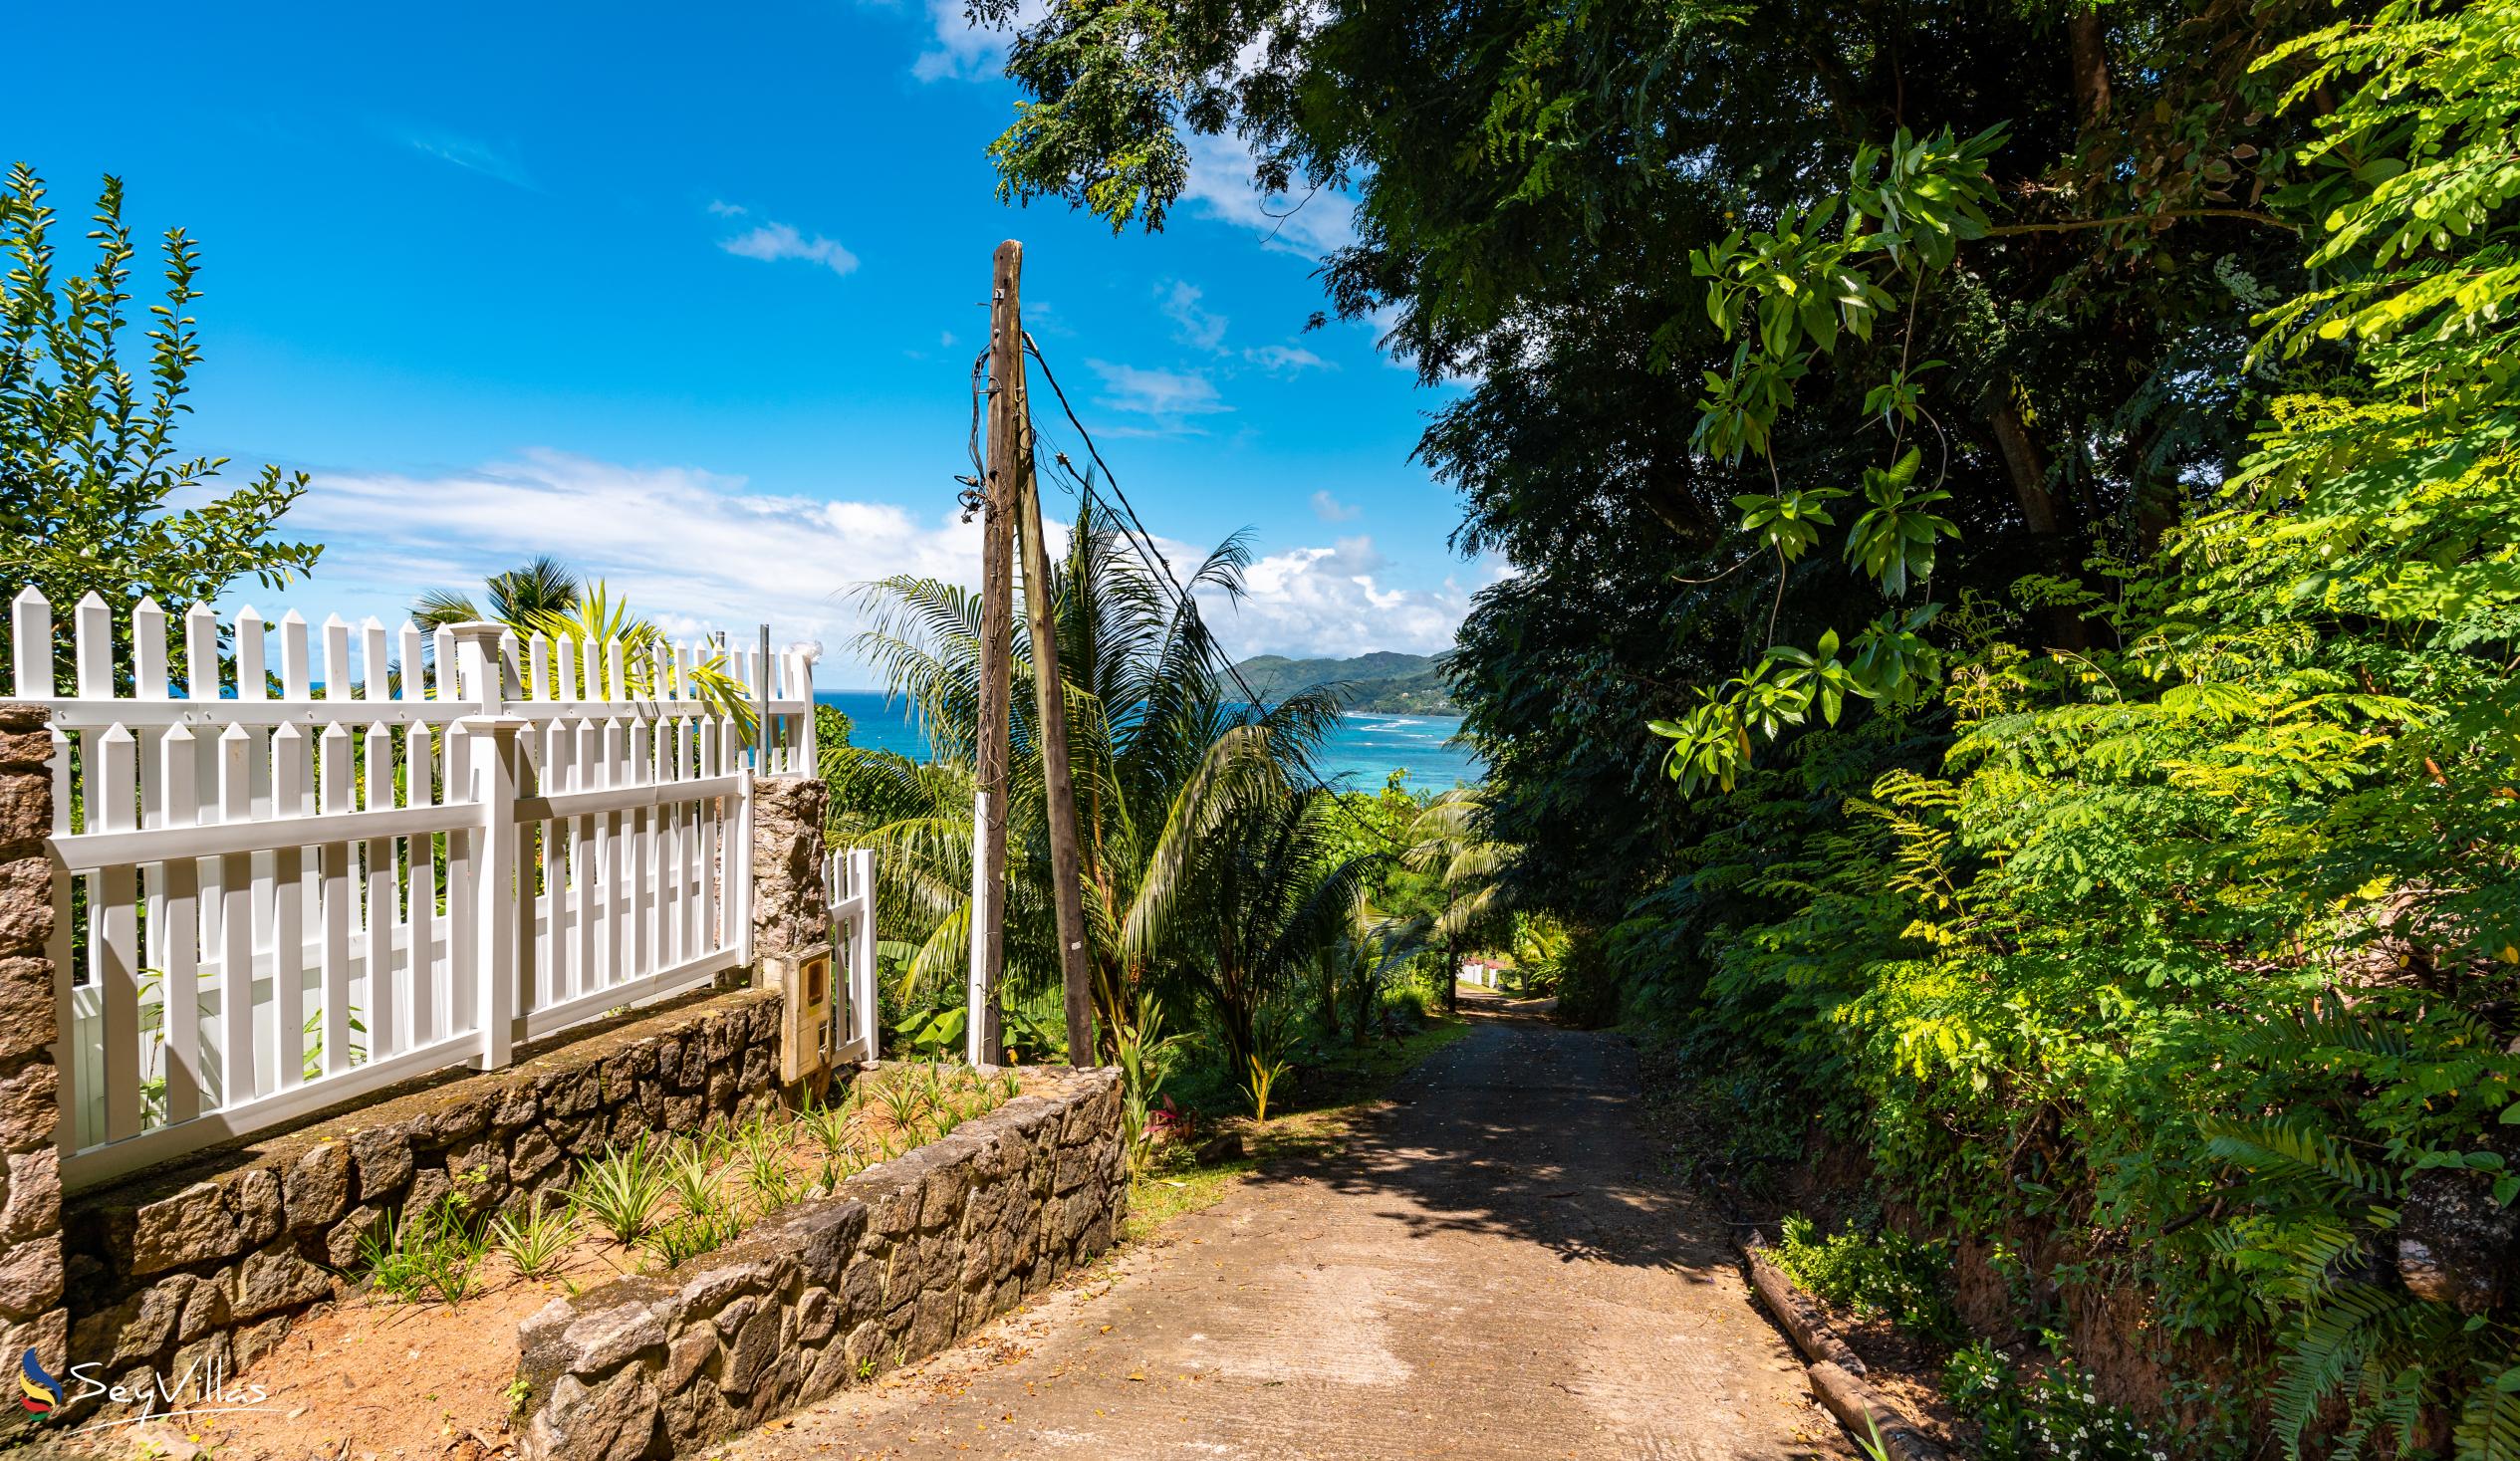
(752, 1348)
(612, 1422)
(383, 1156)
(709, 1291)
(34, 1203)
(690, 1350)
(26, 905)
(276, 1280)
(315, 1190)
(254, 1198)
(572, 1094)
(191, 1227)
(343, 1241)
(518, 1106)
(465, 1117)
(27, 1027)
(817, 1316)
(429, 1184)
(136, 1331)
(205, 1309)
(533, 1151)
(30, 1099)
(932, 1327)
(595, 1343)
(255, 1340)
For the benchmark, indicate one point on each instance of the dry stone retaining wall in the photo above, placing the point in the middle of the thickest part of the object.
(903, 1260)
(209, 1264)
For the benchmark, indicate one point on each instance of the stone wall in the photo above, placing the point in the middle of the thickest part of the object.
(212, 1260)
(907, 1257)
(791, 910)
(31, 1312)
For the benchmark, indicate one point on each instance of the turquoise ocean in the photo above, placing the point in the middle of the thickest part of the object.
(1359, 755)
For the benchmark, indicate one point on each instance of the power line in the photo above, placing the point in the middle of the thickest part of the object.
(1154, 559)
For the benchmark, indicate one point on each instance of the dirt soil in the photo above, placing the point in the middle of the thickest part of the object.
(1488, 1269)
(372, 1377)
(401, 1380)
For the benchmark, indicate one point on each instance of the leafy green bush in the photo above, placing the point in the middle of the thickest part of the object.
(1885, 1276)
(2056, 1416)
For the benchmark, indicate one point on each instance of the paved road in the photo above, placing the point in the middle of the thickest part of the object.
(1487, 1271)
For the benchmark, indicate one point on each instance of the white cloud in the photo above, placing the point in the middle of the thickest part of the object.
(1165, 399)
(771, 242)
(699, 551)
(472, 154)
(1285, 359)
(693, 549)
(725, 209)
(1330, 510)
(1334, 602)
(1199, 328)
(1310, 223)
(963, 50)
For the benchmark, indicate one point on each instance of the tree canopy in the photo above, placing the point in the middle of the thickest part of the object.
(2015, 599)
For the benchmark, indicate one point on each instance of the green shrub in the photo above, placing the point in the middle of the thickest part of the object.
(623, 1190)
(535, 1240)
(433, 1251)
(1880, 1276)
(2057, 1416)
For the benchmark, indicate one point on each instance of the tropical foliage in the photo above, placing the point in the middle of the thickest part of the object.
(545, 597)
(1216, 870)
(95, 497)
(2017, 595)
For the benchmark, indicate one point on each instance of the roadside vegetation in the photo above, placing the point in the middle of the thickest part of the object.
(2011, 643)
(1251, 930)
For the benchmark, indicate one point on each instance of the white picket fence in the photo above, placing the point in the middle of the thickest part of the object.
(849, 878)
(408, 857)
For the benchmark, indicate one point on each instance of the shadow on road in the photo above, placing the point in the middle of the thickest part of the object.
(1528, 1130)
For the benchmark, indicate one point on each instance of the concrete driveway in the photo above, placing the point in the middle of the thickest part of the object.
(1488, 1270)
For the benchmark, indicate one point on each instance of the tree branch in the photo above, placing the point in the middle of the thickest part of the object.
(2072, 224)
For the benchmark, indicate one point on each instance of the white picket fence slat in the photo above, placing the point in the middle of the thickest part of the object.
(849, 877)
(421, 849)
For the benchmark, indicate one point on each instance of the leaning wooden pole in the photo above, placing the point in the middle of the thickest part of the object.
(984, 1042)
(1067, 863)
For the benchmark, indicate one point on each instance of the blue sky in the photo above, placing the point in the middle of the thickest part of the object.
(690, 298)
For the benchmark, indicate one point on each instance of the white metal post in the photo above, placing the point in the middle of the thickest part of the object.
(979, 998)
(862, 991)
(498, 883)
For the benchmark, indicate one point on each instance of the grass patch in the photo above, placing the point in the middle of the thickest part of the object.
(1312, 1114)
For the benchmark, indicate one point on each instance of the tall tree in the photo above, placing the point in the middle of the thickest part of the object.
(1535, 190)
(90, 472)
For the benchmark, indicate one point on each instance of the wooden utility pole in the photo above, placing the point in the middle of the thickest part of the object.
(1067, 871)
(985, 1040)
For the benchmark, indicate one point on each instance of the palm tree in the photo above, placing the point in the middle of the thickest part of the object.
(541, 585)
(1168, 770)
(1251, 904)
(1450, 839)
(547, 597)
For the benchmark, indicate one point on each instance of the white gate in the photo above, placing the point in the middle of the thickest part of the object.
(849, 878)
(283, 890)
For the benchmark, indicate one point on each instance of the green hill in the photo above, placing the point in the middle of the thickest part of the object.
(1383, 682)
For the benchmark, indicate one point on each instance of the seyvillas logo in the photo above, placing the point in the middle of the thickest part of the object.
(43, 1393)
(205, 1388)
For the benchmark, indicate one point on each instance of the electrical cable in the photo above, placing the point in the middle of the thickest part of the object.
(1155, 560)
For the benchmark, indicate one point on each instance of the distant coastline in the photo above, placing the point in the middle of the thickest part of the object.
(1365, 748)
(1381, 683)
